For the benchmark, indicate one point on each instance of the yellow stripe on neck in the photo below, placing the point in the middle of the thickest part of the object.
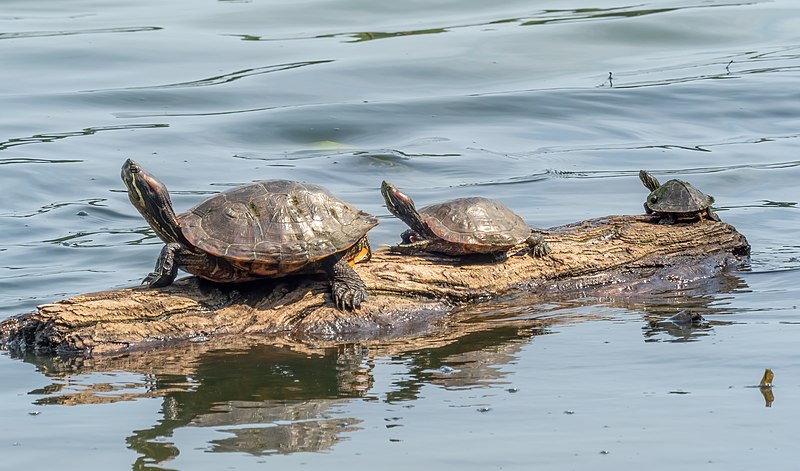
(361, 255)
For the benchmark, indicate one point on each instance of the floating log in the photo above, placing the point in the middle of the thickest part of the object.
(408, 294)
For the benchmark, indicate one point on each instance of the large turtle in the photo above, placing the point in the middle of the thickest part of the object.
(676, 200)
(461, 226)
(265, 229)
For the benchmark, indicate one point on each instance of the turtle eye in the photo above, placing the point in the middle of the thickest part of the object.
(653, 199)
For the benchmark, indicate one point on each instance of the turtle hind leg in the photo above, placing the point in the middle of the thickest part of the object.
(347, 288)
(166, 267)
(410, 248)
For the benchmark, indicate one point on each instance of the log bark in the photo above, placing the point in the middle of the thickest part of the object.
(409, 295)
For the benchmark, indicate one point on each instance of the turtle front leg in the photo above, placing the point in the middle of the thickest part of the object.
(538, 246)
(409, 237)
(712, 215)
(166, 269)
(347, 288)
(667, 218)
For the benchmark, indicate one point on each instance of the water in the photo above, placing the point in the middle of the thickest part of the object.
(512, 101)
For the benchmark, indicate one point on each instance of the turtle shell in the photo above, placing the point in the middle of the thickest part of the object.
(275, 226)
(475, 221)
(678, 196)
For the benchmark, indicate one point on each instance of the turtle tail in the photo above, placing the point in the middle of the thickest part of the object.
(648, 180)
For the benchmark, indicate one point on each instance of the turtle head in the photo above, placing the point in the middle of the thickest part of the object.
(151, 198)
(402, 206)
(648, 180)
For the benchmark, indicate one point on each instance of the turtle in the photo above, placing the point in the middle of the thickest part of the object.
(266, 229)
(676, 200)
(461, 226)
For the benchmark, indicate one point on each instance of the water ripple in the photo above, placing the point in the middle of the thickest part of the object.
(698, 148)
(25, 160)
(50, 137)
(781, 59)
(224, 78)
(47, 34)
(602, 14)
(606, 174)
(543, 17)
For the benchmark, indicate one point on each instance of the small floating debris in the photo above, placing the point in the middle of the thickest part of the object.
(765, 386)
(766, 380)
(605, 452)
(34, 412)
(483, 409)
(569, 412)
(512, 390)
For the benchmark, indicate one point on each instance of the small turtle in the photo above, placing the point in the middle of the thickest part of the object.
(676, 200)
(461, 226)
(266, 229)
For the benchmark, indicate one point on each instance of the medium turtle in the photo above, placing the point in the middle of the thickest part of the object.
(461, 226)
(676, 200)
(266, 229)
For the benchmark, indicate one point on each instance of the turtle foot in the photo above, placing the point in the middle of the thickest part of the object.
(347, 288)
(166, 269)
(541, 250)
(538, 246)
(157, 280)
(348, 294)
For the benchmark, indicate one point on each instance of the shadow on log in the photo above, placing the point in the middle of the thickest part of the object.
(409, 296)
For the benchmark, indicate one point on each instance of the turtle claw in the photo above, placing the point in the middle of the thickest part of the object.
(156, 280)
(347, 289)
(166, 269)
(541, 250)
(348, 297)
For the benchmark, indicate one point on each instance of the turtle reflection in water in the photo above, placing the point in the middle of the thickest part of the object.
(266, 229)
(676, 200)
(461, 226)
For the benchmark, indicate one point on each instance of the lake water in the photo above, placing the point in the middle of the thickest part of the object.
(550, 106)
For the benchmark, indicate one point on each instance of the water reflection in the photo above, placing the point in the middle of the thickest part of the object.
(269, 399)
(475, 360)
(292, 396)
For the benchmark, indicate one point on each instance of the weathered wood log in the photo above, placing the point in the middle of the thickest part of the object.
(408, 294)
